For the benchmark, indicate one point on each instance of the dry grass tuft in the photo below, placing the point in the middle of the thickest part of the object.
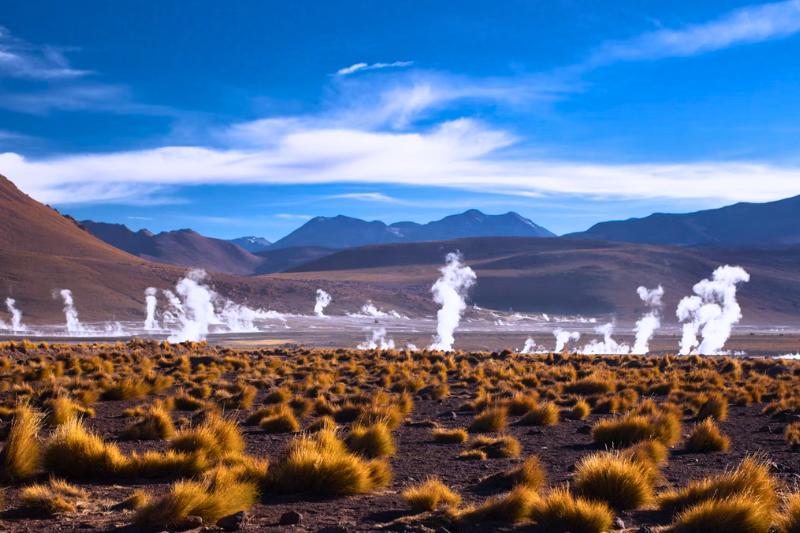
(74, 452)
(789, 519)
(491, 420)
(509, 508)
(751, 477)
(792, 434)
(430, 495)
(737, 513)
(620, 482)
(530, 473)
(707, 437)
(215, 437)
(218, 494)
(630, 429)
(372, 441)
(155, 424)
(501, 447)
(715, 406)
(544, 414)
(282, 421)
(48, 499)
(21, 455)
(450, 436)
(321, 464)
(561, 511)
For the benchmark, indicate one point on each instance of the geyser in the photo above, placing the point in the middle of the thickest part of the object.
(563, 337)
(74, 326)
(711, 312)
(449, 292)
(651, 321)
(323, 301)
(150, 323)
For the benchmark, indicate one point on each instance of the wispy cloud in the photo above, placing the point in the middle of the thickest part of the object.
(21, 59)
(358, 67)
(293, 216)
(367, 197)
(750, 24)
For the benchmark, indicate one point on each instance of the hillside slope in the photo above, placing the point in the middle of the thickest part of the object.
(774, 223)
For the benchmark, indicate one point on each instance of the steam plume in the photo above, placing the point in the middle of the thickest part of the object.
(378, 340)
(711, 312)
(323, 300)
(608, 345)
(150, 301)
(563, 337)
(530, 346)
(195, 310)
(74, 326)
(651, 321)
(16, 316)
(449, 292)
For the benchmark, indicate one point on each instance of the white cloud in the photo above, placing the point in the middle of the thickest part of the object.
(750, 24)
(460, 154)
(293, 216)
(367, 197)
(357, 67)
(20, 59)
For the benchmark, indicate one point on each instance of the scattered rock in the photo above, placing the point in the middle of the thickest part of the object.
(332, 529)
(585, 429)
(190, 522)
(290, 518)
(619, 523)
(234, 522)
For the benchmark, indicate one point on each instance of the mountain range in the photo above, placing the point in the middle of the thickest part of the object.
(771, 223)
(42, 251)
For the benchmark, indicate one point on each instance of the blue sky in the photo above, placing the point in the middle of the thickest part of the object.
(251, 117)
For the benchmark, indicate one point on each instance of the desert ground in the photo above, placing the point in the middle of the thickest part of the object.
(150, 436)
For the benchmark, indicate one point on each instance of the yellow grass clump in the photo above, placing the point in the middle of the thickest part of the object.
(430, 495)
(509, 508)
(707, 437)
(47, 499)
(490, 420)
(630, 429)
(321, 464)
(372, 441)
(155, 424)
(620, 482)
(736, 513)
(561, 511)
(543, 414)
(74, 452)
(21, 456)
(450, 436)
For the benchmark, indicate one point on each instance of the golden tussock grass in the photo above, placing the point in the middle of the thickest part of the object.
(737, 513)
(282, 421)
(321, 464)
(372, 441)
(47, 499)
(430, 495)
(792, 434)
(752, 477)
(612, 478)
(630, 429)
(789, 519)
(561, 511)
(450, 436)
(707, 437)
(215, 437)
(156, 423)
(74, 452)
(715, 406)
(501, 447)
(531, 473)
(21, 456)
(509, 508)
(217, 494)
(491, 420)
(543, 414)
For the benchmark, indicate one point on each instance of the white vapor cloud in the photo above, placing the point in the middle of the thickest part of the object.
(23, 60)
(367, 197)
(357, 67)
(750, 24)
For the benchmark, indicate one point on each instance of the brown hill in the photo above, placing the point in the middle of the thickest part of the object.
(42, 251)
(571, 276)
(182, 247)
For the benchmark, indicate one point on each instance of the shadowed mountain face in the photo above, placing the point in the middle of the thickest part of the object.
(345, 232)
(252, 244)
(772, 223)
(576, 276)
(182, 247)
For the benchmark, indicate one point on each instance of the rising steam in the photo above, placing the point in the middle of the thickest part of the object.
(651, 321)
(449, 292)
(196, 311)
(74, 326)
(323, 301)
(377, 340)
(16, 316)
(563, 338)
(530, 346)
(608, 345)
(150, 323)
(711, 312)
